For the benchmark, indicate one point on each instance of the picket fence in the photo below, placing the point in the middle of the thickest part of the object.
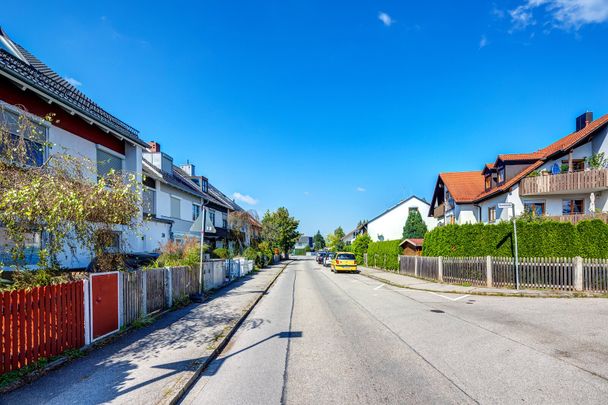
(567, 274)
(46, 321)
(40, 322)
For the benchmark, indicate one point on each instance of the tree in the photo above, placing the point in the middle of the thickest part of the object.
(239, 223)
(61, 199)
(281, 230)
(318, 241)
(335, 241)
(414, 226)
(359, 247)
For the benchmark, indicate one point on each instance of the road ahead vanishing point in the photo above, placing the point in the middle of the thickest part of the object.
(320, 337)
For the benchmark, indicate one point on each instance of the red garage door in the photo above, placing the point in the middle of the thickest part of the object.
(104, 304)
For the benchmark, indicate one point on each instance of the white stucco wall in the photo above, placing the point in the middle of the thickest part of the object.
(390, 224)
(156, 234)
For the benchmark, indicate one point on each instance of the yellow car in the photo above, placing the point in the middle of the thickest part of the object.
(344, 261)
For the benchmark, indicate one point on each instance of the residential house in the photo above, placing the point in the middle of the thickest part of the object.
(561, 181)
(304, 242)
(389, 225)
(350, 237)
(80, 127)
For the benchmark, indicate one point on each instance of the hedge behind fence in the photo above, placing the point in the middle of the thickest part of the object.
(378, 252)
(535, 239)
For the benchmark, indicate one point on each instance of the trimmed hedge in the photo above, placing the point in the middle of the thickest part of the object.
(535, 239)
(386, 254)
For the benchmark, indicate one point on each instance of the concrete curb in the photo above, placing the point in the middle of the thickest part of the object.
(185, 382)
(541, 294)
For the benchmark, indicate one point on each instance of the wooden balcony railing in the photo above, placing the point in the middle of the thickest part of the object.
(564, 183)
(575, 218)
(439, 211)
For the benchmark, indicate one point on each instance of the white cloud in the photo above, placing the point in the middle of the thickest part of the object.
(306, 193)
(73, 81)
(385, 18)
(247, 199)
(360, 189)
(483, 42)
(564, 14)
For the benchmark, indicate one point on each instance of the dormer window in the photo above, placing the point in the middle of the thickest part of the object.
(204, 185)
(501, 175)
(488, 181)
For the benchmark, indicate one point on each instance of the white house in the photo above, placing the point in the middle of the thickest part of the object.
(565, 181)
(80, 127)
(389, 224)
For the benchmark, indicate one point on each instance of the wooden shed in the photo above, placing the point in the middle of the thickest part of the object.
(412, 247)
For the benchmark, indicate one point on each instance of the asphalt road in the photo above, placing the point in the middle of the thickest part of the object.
(319, 337)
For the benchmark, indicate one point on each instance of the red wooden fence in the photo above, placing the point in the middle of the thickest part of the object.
(41, 322)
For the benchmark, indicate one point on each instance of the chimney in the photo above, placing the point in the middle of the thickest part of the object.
(583, 120)
(189, 168)
(154, 147)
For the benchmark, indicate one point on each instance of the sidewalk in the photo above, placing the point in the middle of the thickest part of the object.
(150, 365)
(400, 280)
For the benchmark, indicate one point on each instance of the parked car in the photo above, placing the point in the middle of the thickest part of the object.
(344, 261)
(125, 261)
(328, 259)
(320, 257)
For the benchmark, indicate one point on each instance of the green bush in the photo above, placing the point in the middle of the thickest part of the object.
(360, 246)
(384, 254)
(221, 253)
(299, 252)
(250, 253)
(535, 239)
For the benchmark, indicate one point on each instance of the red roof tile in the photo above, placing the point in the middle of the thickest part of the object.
(463, 186)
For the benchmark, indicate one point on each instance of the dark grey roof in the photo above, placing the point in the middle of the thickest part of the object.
(224, 198)
(25, 67)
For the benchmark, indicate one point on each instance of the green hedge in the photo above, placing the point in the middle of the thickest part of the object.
(535, 239)
(386, 254)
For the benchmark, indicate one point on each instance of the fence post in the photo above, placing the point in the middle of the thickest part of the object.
(578, 273)
(87, 311)
(168, 287)
(440, 269)
(489, 281)
(416, 266)
(144, 293)
(121, 300)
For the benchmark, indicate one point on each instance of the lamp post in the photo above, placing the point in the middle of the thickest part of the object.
(511, 205)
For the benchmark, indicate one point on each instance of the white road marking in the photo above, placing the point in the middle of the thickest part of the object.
(449, 298)
(379, 287)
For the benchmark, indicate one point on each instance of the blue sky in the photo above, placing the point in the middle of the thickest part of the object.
(336, 110)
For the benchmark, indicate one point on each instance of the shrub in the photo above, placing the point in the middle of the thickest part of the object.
(250, 253)
(221, 253)
(384, 254)
(359, 247)
(535, 239)
(186, 253)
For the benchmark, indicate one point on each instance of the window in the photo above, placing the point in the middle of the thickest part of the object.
(149, 201)
(491, 214)
(204, 185)
(196, 211)
(501, 175)
(571, 207)
(578, 165)
(488, 181)
(412, 209)
(224, 220)
(176, 211)
(32, 250)
(212, 216)
(537, 209)
(107, 162)
(32, 135)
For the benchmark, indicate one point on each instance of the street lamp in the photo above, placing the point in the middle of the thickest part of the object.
(511, 205)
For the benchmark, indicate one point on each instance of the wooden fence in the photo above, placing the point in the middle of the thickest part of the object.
(465, 270)
(567, 274)
(40, 322)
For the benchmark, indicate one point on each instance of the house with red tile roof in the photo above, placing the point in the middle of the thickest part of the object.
(566, 180)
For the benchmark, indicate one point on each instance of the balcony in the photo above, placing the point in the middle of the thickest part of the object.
(565, 183)
(439, 211)
(575, 218)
